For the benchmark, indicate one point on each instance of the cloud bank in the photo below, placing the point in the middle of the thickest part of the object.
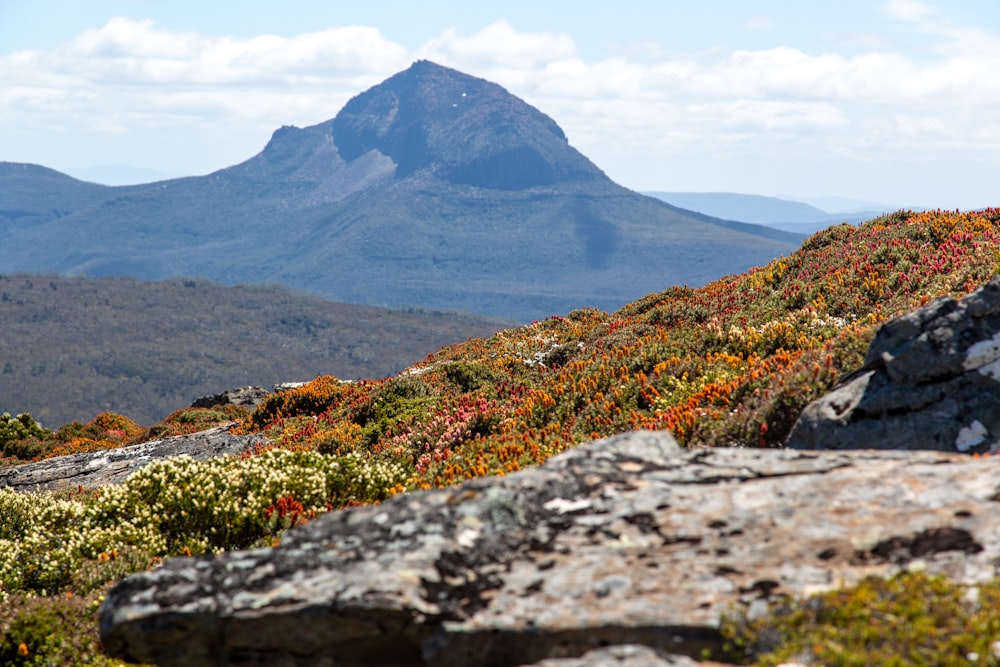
(131, 77)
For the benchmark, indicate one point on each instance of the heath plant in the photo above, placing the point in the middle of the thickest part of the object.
(913, 619)
(176, 506)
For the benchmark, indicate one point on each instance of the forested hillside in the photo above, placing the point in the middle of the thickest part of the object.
(71, 348)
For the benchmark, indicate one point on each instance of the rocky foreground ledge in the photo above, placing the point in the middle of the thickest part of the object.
(628, 540)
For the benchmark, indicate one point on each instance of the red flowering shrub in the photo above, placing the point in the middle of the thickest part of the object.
(115, 425)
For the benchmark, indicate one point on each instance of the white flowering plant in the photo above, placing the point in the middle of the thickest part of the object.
(51, 543)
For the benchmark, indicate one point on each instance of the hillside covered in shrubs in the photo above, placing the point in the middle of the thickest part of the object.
(729, 364)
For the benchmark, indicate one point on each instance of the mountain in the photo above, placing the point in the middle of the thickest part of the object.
(433, 188)
(74, 347)
(786, 214)
(747, 208)
(837, 204)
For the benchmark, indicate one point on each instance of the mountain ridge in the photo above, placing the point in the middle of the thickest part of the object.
(775, 212)
(444, 192)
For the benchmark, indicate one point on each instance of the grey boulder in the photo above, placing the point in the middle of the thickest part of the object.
(930, 380)
(247, 397)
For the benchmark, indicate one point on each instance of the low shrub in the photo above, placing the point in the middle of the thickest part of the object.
(21, 437)
(51, 543)
(57, 630)
(193, 420)
(912, 619)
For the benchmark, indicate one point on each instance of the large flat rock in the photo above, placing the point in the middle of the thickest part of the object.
(625, 541)
(112, 466)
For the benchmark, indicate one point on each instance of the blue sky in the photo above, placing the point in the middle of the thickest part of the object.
(889, 101)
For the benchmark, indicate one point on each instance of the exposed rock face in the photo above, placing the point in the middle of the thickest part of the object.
(931, 380)
(247, 397)
(94, 469)
(628, 655)
(622, 541)
(431, 117)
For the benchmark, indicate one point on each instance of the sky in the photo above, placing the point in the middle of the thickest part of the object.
(889, 102)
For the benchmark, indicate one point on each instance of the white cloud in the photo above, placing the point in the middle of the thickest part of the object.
(770, 115)
(908, 10)
(498, 44)
(126, 38)
(127, 52)
(129, 75)
(134, 61)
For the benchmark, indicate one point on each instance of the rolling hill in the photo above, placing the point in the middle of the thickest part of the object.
(728, 364)
(74, 347)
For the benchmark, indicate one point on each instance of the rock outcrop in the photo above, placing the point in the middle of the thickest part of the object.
(931, 380)
(625, 541)
(627, 655)
(247, 397)
(112, 466)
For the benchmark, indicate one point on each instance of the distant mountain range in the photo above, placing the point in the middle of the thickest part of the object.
(433, 189)
(789, 215)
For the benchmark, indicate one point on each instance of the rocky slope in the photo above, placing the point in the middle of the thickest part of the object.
(929, 381)
(625, 541)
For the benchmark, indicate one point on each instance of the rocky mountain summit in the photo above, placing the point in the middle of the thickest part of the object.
(467, 131)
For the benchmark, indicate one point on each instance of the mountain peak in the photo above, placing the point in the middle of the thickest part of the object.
(463, 129)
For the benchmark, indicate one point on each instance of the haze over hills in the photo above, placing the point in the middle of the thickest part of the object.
(786, 214)
(433, 188)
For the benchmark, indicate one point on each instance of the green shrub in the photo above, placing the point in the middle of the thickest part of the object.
(20, 435)
(913, 619)
(393, 406)
(58, 630)
(469, 375)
